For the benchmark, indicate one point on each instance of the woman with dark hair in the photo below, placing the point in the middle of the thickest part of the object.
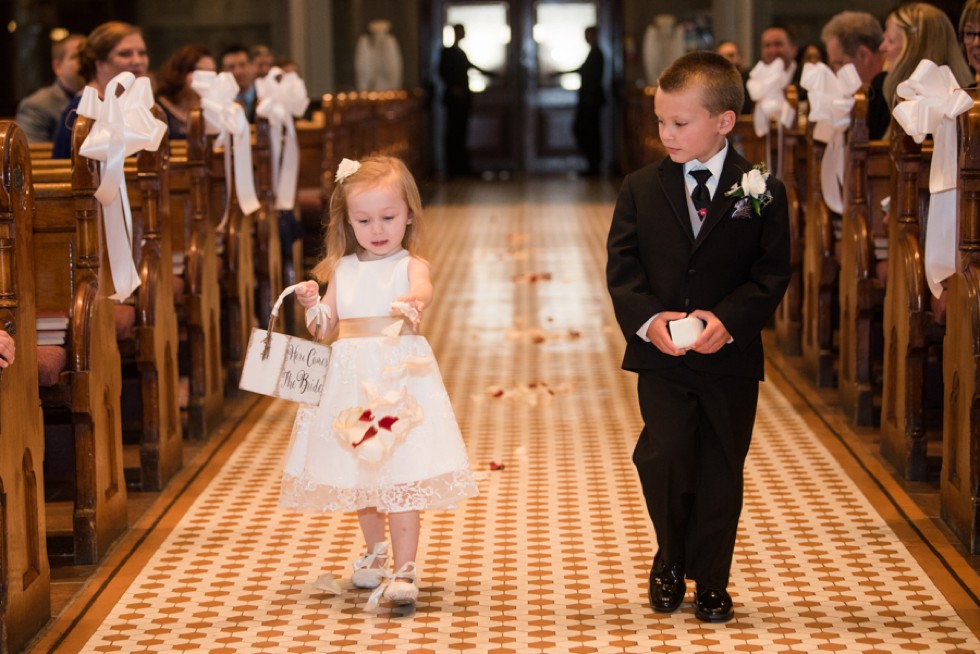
(110, 49)
(174, 93)
(970, 35)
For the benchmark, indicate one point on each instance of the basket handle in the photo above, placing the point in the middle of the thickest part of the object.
(267, 341)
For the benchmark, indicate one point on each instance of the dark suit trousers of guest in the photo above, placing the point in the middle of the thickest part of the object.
(697, 429)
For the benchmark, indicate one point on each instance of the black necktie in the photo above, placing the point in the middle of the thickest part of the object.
(700, 195)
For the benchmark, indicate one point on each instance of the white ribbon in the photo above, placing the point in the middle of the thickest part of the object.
(226, 118)
(831, 99)
(767, 87)
(123, 126)
(933, 100)
(282, 96)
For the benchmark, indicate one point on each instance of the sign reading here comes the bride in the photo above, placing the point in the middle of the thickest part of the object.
(294, 369)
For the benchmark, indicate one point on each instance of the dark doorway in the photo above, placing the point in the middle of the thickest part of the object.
(521, 116)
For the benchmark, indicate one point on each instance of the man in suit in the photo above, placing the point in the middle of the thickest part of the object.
(38, 114)
(237, 60)
(853, 37)
(454, 67)
(587, 126)
(698, 235)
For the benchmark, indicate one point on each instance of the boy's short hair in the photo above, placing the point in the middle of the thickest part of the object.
(719, 81)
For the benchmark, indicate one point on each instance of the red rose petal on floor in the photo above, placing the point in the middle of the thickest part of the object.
(387, 422)
(367, 416)
(496, 466)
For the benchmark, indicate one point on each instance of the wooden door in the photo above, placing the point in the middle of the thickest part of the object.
(521, 116)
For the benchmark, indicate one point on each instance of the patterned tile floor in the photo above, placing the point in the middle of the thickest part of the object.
(553, 555)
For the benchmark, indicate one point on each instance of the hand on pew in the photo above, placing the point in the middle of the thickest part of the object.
(6, 349)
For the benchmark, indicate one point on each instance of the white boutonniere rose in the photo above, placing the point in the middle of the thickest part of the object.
(753, 189)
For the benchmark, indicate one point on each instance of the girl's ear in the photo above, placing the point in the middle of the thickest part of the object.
(411, 217)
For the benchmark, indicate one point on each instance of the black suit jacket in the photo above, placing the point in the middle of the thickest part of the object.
(738, 268)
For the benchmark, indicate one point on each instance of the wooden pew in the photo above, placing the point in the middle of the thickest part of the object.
(267, 246)
(152, 348)
(198, 300)
(745, 141)
(643, 147)
(959, 486)
(25, 577)
(792, 159)
(146, 327)
(70, 265)
(235, 247)
(866, 182)
(311, 209)
(910, 331)
(820, 270)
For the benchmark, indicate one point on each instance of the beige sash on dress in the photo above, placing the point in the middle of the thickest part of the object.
(368, 327)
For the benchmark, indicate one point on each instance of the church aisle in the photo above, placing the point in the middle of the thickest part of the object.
(553, 556)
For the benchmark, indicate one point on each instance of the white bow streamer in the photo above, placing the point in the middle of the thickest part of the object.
(932, 101)
(123, 126)
(767, 87)
(831, 99)
(226, 118)
(283, 96)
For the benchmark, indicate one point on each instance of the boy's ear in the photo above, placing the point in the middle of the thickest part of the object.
(726, 122)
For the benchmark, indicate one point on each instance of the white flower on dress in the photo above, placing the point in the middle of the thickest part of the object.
(753, 188)
(374, 429)
(346, 168)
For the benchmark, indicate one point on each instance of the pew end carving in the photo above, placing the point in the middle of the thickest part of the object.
(25, 576)
(960, 475)
(867, 175)
(83, 428)
(792, 160)
(820, 269)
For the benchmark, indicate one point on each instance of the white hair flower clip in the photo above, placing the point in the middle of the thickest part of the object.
(346, 168)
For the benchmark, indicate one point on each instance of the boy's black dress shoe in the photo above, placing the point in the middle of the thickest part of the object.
(713, 605)
(667, 588)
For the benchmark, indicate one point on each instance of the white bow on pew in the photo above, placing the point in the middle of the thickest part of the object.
(281, 97)
(767, 87)
(932, 101)
(123, 126)
(831, 99)
(226, 118)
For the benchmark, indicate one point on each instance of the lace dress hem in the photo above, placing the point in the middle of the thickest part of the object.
(440, 492)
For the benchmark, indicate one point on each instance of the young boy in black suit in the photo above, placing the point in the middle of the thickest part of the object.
(712, 245)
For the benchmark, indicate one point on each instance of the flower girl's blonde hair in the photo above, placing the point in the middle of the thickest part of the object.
(372, 172)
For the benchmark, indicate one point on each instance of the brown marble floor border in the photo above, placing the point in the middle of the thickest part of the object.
(69, 631)
(943, 562)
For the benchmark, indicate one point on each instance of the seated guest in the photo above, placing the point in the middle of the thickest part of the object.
(970, 35)
(111, 48)
(174, 93)
(779, 43)
(811, 53)
(914, 32)
(917, 31)
(854, 37)
(6, 349)
(262, 58)
(38, 114)
(729, 50)
(237, 60)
